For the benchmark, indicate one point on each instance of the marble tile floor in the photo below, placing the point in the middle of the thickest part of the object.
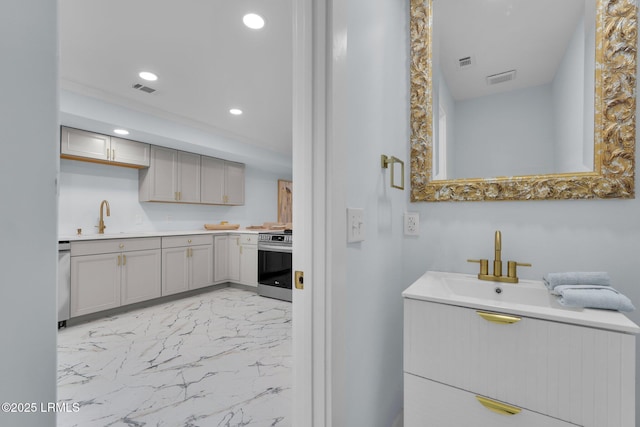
(221, 358)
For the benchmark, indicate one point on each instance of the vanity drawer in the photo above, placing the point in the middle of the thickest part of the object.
(566, 371)
(445, 406)
(187, 240)
(94, 247)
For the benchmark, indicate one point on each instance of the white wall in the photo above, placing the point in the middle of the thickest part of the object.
(371, 348)
(496, 136)
(553, 235)
(28, 168)
(569, 106)
(84, 185)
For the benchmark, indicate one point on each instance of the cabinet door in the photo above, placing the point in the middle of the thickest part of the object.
(158, 183)
(188, 177)
(212, 182)
(141, 278)
(80, 143)
(95, 283)
(249, 265)
(175, 271)
(234, 183)
(221, 252)
(129, 152)
(201, 266)
(234, 258)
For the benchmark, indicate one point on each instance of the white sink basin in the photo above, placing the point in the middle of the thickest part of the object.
(527, 298)
(525, 292)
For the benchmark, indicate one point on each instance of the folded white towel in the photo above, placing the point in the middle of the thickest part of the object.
(551, 280)
(591, 296)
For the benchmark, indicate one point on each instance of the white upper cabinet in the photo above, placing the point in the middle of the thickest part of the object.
(234, 183)
(222, 182)
(188, 177)
(129, 152)
(94, 147)
(172, 176)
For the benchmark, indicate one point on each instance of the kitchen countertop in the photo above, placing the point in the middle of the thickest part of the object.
(131, 235)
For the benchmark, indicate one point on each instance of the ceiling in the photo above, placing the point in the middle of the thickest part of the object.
(206, 60)
(530, 37)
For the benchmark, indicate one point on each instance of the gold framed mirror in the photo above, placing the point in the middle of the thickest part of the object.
(614, 74)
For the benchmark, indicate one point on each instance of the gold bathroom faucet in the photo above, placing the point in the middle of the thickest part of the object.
(497, 276)
(101, 225)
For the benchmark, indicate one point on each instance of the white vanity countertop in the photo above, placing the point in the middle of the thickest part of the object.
(75, 237)
(529, 298)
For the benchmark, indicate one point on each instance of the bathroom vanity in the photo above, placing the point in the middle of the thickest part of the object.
(494, 354)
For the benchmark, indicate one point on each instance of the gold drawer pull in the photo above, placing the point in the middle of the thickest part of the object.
(498, 407)
(498, 318)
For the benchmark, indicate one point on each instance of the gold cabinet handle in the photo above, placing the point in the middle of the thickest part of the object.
(498, 407)
(189, 241)
(503, 319)
(113, 154)
(119, 261)
(124, 260)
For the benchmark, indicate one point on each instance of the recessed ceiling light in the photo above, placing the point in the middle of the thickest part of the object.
(148, 76)
(121, 131)
(235, 111)
(253, 21)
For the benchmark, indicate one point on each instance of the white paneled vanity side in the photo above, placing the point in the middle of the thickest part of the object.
(78, 144)
(472, 358)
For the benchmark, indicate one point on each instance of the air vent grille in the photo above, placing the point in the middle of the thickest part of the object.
(143, 88)
(465, 62)
(501, 77)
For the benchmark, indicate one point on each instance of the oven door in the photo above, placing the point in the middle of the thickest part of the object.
(274, 266)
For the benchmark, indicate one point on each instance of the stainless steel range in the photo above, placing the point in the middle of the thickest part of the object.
(275, 273)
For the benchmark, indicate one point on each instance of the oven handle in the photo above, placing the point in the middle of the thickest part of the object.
(274, 248)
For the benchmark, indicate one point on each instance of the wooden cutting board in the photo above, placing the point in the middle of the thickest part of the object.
(222, 226)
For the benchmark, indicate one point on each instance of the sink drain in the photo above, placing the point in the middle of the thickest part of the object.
(498, 290)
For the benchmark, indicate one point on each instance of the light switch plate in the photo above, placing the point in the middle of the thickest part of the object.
(411, 224)
(355, 225)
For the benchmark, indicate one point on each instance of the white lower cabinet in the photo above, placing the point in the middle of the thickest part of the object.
(243, 259)
(429, 403)
(236, 259)
(221, 263)
(249, 264)
(108, 274)
(187, 263)
(574, 373)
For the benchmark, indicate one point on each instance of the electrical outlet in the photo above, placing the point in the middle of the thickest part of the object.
(355, 225)
(411, 223)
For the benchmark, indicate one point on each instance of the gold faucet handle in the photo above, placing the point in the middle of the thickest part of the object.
(512, 266)
(484, 265)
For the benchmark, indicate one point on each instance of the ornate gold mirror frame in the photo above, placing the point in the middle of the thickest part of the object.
(615, 111)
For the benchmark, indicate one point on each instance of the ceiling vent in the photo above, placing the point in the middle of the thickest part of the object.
(465, 62)
(501, 77)
(143, 88)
